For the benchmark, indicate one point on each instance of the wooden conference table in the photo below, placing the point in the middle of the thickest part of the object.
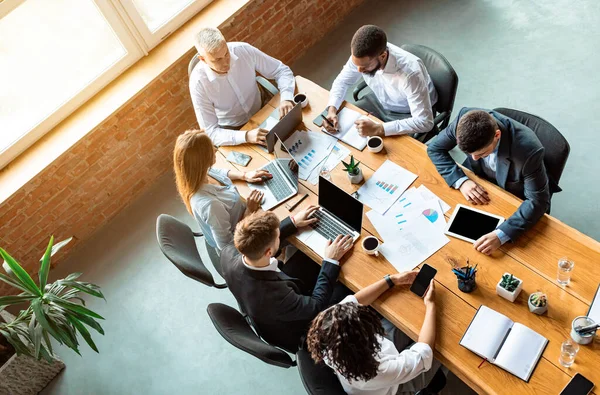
(533, 258)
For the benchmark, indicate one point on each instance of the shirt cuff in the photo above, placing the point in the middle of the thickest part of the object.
(425, 352)
(239, 137)
(286, 95)
(349, 299)
(502, 236)
(331, 261)
(335, 102)
(390, 128)
(459, 182)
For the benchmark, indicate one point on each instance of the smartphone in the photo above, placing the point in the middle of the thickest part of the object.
(421, 283)
(239, 158)
(578, 385)
(320, 119)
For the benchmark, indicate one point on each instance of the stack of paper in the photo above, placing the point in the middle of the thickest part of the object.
(347, 129)
(309, 150)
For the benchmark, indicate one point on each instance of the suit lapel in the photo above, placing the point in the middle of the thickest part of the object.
(503, 161)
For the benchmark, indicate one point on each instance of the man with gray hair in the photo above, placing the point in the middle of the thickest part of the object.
(224, 90)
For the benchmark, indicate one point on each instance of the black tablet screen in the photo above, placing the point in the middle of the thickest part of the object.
(472, 224)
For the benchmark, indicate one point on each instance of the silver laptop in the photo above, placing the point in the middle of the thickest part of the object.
(339, 214)
(284, 183)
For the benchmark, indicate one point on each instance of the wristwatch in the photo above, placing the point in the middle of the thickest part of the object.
(389, 281)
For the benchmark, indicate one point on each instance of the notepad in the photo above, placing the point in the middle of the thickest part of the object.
(504, 343)
(348, 133)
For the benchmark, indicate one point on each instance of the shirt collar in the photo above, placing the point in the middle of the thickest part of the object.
(210, 73)
(272, 267)
(390, 66)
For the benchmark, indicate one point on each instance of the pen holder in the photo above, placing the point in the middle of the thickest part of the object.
(467, 286)
(582, 321)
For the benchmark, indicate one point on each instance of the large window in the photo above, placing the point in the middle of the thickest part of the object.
(55, 55)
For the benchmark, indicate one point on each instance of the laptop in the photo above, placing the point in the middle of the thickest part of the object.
(338, 214)
(283, 127)
(284, 183)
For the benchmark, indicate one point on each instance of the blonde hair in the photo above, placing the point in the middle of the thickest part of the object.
(192, 158)
(208, 39)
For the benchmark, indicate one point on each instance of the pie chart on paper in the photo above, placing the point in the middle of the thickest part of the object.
(431, 215)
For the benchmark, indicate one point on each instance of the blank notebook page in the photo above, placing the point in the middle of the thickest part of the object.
(521, 351)
(486, 332)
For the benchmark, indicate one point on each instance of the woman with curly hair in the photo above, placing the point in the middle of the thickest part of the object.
(349, 338)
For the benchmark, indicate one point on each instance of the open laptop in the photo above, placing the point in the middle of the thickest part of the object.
(284, 183)
(283, 127)
(339, 214)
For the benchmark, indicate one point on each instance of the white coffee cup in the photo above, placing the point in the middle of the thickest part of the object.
(301, 98)
(372, 144)
(371, 245)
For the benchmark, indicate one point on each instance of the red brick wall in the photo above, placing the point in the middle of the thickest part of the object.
(115, 163)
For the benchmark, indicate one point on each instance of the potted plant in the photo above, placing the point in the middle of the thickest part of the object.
(509, 287)
(52, 310)
(538, 303)
(354, 172)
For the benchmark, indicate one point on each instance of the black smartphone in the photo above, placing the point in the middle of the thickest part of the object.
(320, 119)
(421, 283)
(578, 385)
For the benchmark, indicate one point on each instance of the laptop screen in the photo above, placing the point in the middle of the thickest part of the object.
(286, 163)
(339, 203)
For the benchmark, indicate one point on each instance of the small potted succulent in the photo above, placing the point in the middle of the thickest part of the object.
(354, 172)
(509, 287)
(538, 303)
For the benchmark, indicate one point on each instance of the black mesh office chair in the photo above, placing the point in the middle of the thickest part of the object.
(234, 328)
(444, 79)
(176, 241)
(318, 379)
(556, 147)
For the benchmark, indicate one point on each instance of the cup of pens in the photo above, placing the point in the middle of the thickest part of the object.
(466, 277)
(583, 330)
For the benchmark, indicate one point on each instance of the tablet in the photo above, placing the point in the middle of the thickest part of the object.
(470, 224)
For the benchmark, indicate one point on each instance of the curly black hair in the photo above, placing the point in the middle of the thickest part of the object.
(346, 334)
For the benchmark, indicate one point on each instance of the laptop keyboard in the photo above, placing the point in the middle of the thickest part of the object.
(277, 185)
(328, 227)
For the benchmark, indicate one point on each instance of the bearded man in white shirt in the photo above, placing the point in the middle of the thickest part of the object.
(224, 90)
(398, 79)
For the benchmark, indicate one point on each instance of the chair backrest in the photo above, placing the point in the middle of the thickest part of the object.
(556, 147)
(441, 72)
(318, 379)
(176, 241)
(235, 329)
(193, 62)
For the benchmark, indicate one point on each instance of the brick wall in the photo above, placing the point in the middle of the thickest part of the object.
(115, 163)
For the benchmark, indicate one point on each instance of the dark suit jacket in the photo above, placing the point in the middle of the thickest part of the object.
(279, 311)
(520, 168)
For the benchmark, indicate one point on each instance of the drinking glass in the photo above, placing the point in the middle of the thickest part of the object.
(568, 351)
(565, 267)
(325, 173)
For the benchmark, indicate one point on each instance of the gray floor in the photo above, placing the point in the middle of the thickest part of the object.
(159, 340)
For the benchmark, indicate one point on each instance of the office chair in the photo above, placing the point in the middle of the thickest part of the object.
(444, 79)
(176, 241)
(556, 147)
(234, 328)
(265, 83)
(318, 379)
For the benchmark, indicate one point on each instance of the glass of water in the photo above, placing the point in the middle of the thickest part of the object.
(325, 173)
(565, 267)
(568, 351)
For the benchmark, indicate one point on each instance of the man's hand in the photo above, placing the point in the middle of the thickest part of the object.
(303, 218)
(284, 107)
(404, 278)
(333, 118)
(335, 250)
(366, 128)
(488, 243)
(429, 298)
(257, 176)
(254, 200)
(474, 193)
(257, 136)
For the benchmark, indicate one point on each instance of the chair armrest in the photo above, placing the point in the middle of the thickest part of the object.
(441, 117)
(198, 234)
(362, 85)
(267, 85)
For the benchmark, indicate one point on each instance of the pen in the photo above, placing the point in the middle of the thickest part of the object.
(484, 359)
(298, 202)
(329, 122)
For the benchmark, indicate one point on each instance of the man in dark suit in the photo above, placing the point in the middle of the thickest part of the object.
(504, 152)
(280, 307)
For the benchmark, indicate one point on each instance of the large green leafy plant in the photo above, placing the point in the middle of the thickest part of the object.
(54, 309)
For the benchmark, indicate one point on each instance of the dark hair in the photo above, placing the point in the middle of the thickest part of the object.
(255, 233)
(368, 41)
(475, 130)
(346, 334)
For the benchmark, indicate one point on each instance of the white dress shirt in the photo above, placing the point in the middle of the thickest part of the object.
(218, 209)
(403, 86)
(231, 99)
(395, 368)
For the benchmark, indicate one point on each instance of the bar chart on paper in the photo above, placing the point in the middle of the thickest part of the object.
(308, 149)
(389, 188)
(385, 186)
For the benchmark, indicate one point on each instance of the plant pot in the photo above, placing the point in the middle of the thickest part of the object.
(535, 309)
(356, 179)
(510, 296)
(22, 375)
(467, 286)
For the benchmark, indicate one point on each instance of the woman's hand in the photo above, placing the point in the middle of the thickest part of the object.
(254, 201)
(257, 176)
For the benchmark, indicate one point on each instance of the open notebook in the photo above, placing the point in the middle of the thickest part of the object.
(348, 133)
(504, 343)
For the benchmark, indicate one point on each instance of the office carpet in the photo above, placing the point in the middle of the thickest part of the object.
(534, 56)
